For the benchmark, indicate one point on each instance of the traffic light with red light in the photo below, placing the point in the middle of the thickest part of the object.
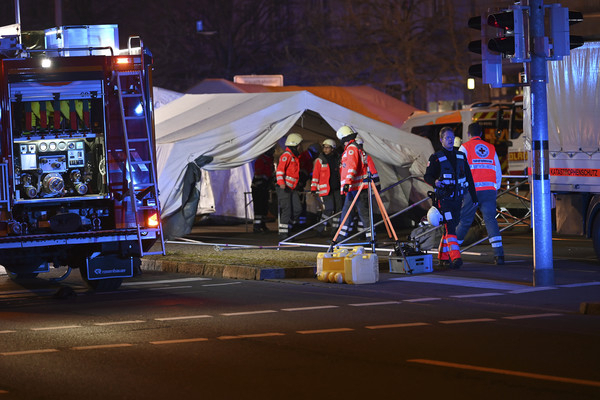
(562, 41)
(510, 40)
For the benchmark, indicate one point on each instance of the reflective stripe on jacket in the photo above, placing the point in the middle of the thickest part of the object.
(288, 169)
(320, 179)
(353, 169)
(484, 164)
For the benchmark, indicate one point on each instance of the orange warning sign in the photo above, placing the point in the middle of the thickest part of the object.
(585, 172)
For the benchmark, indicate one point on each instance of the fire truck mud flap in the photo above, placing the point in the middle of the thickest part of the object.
(108, 266)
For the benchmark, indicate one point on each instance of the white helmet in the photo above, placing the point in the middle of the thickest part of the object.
(329, 142)
(345, 131)
(293, 139)
(434, 216)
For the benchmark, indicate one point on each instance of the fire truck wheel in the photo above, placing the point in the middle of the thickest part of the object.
(101, 285)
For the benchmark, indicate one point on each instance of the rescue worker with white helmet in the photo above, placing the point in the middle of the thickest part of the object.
(326, 183)
(448, 172)
(288, 175)
(353, 172)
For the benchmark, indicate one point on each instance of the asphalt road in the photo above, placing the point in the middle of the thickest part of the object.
(443, 335)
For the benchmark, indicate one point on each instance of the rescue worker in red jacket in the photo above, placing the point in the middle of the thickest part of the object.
(326, 184)
(261, 183)
(287, 175)
(374, 176)
(353, 172)
(306, 158)
(487, 175)
(448, 172)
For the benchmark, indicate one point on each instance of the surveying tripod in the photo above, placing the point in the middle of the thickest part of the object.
(372, 190)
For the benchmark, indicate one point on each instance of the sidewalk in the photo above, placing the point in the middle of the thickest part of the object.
(574, 258)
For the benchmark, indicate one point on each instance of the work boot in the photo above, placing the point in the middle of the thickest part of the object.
(499, 260)
(456, 264)
(444, 263)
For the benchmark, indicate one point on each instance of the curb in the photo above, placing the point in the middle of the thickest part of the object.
(227, 271)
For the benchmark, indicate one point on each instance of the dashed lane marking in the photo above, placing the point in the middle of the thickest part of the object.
(26, 352)
(513, 317)
(222, 284)
(309, 308)
(177, 341)
(183, 317)
(405, 325)
(248, 313)
(50, 328)
(253, 335)
(7, 332)
(164, 281)
(466, 296)
(521, 374)
(466, 282)
(466, 321)
(102, 346)
(171, 287)
(334, 330)
(422, 299)
(137, 321)
(379, 303)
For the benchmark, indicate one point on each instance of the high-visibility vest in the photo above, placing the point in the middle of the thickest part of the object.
(481, 156)
(321, 175)
(288, 169)
(353, 168)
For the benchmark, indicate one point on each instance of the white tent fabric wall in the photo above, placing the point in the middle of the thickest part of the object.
(235, 128)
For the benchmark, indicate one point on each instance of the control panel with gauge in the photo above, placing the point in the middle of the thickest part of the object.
(49, 168)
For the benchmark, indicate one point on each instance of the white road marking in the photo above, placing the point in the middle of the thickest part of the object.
(405, 325)
(164, 281)
(380, 303)
(334, 330)
(20, 353)
(465, 296)
(248, 313)
(171, 287)
(183, 317)
(308, 308)
(7, 331)
(119, 323)
(455, 281)
(176, 341)
(466, 321)
(533, 316)
(102, 346)
(422, 299)
(252, 335)
(222, 284)
(50, 328)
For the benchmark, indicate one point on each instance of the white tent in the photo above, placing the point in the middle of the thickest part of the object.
(235, 128)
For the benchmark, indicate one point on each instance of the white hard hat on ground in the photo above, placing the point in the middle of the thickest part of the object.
(293, 139)
(434, 216)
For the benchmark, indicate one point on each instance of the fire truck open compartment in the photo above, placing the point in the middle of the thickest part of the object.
(77, 173)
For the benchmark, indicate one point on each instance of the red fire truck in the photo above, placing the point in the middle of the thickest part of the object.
(78, 181)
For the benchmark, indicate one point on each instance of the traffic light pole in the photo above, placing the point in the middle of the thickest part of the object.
(540, 172)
